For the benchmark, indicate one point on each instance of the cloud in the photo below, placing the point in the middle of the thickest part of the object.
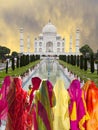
(32, 15)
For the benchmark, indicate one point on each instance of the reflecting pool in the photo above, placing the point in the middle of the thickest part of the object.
(48, 69)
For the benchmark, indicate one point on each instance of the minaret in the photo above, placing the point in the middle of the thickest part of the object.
(77, 41)
(21, 41)
(70, 47)
(28, 44)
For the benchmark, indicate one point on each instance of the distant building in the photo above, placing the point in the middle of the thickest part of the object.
(49, 42)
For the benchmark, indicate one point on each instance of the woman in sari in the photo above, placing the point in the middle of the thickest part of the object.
(31, 118)
(3, 97)
(17, 103)
(61, 112)
(91, 97)
(44, 100)
(77, 107)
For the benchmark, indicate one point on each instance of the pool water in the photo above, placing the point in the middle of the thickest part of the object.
(48, 69)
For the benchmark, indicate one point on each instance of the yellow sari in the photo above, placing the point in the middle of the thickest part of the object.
(61, 114)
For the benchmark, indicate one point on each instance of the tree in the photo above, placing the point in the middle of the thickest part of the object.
(3, 52)
(71, 58)
(85, 63)
(24, 60)
(17, 64)
(14, 54)
(65, 58)
(77, 60)
(86, 49)
(92, 63)
(37, 57)
(21, 61)
(81, 62)
(13, 64)
(27, 59)
(74, 60)
(6, 67)
(68, 59)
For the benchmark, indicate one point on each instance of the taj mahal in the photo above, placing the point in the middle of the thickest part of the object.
(49, 42)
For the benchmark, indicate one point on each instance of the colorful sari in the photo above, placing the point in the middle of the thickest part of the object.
(44, 100)
(77, 107)
(61, 112)
(3, 97)
(92, 105)
(17, 114)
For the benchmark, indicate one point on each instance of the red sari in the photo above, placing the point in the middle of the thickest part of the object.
(17, 114)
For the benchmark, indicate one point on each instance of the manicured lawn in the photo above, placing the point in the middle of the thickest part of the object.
(84, 75)
(17, 71)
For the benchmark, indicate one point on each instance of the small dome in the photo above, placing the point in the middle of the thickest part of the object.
(58, 36)
(40, 35)
(49, 28)
(77, 30)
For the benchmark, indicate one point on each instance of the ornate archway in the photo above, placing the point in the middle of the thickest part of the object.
(49, 47)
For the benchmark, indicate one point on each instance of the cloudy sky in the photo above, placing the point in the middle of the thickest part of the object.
(32, 15)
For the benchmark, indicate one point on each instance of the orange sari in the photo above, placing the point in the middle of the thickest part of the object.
(91, 96)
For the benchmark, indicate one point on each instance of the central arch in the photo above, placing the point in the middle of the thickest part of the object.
(49, 47)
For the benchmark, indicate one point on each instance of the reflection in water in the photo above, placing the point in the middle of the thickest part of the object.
(49, 69)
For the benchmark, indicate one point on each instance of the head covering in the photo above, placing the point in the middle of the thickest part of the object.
(3, 97)
(36, 83)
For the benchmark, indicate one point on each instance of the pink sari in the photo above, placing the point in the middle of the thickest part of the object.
(3, 97)
(31, 118)
(77, 108)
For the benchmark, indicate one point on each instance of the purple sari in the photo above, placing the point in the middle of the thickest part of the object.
(77, 108)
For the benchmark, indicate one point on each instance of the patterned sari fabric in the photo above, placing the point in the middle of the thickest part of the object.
(61, 112)
(77, 107)
(92, 106)
(31, 118)
(45, 100)
(3, 97)
(17, 114)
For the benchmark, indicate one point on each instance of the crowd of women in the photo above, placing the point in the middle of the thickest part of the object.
(48, 107)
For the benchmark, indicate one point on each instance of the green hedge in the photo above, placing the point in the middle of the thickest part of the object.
(84, 75)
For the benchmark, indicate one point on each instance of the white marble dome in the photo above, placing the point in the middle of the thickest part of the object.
(49, 28)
